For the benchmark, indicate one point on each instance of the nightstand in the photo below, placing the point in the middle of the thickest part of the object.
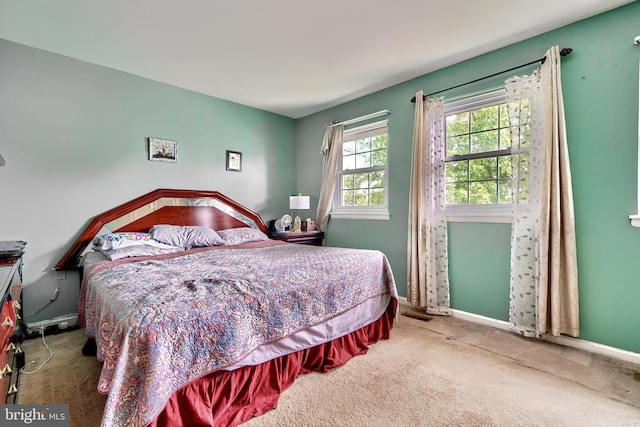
(303, 237)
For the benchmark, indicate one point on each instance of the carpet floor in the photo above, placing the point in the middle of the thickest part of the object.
(444, 371)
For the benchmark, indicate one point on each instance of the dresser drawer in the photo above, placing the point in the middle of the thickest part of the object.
(11, 326)
(11, 355)
(13, 362)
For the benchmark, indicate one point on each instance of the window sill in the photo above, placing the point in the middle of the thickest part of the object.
(375, 215)
(491, 214)
(635, 220)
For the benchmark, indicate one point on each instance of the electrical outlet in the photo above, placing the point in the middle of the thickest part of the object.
(61, 275)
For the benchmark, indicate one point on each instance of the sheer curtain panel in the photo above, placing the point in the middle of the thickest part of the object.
(427, 259)
(544, 272)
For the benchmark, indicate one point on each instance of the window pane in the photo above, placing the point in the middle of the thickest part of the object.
(360, 198)
(480, 169)
(484, 141)
(376, 179)
(363, 160)
(376, 197)
(379, 142)
(348, 147)
(457, 145)
(457, 193)
(482, 193)
(457, 124)
(484, 119)
(349, 162)
(457, 171)
(504, 191)
(347, 198)
(363, 145)
(361, 180)
(505, 138)
(379, 158)
(347, 181)
(504, 167)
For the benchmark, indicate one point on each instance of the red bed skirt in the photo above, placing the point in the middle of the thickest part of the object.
(230, 398)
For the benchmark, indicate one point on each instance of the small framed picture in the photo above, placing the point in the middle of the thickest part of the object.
(163, 150)
(234, 161)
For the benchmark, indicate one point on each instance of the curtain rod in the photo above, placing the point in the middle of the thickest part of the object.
(564, 52)
(361, 118)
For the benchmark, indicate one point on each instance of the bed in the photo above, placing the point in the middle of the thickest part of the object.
(212, 333)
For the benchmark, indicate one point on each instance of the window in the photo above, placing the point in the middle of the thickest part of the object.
(362, 179)
(479, 155)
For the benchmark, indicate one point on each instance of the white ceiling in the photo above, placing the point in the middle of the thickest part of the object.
(291, 57)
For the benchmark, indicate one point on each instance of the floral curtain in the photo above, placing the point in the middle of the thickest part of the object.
(544, 274)
(427, 259)
(331, 149)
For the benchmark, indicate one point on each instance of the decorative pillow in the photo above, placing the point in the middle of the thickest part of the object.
(125, 239)
(187, 236)
(139, 250)
(236, 236)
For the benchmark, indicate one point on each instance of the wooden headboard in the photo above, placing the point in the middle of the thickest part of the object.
(165, 206)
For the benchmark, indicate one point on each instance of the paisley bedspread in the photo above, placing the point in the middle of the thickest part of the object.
(165, 321)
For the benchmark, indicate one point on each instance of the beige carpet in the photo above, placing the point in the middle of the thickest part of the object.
(444, 372)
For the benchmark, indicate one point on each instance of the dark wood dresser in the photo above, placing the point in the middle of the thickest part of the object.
(11, 323)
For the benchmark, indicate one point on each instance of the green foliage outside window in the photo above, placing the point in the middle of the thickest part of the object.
(479, 155)
(367, 158)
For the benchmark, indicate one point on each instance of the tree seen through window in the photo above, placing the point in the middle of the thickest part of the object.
(479, 153)
(363, 171)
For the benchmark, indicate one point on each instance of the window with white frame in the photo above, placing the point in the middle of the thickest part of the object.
(362, 184)
(479, 157)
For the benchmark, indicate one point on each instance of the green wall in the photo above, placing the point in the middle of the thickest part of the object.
(479, 257)
(600, 85)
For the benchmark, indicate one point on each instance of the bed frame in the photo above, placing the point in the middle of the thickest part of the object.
(223, 397)
(165, 206)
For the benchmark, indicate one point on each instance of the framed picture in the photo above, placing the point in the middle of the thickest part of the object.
(234, 161)
(163, 150)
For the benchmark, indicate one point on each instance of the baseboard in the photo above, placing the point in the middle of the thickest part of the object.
(592, 347)
(62, 322)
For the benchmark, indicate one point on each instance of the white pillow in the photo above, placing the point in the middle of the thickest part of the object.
(236, 236)
(120, 240)
(139, 250)
(187, 236)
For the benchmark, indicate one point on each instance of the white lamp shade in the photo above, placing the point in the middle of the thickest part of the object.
(299, 202)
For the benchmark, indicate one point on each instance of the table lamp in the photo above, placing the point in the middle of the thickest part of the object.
(295, 203)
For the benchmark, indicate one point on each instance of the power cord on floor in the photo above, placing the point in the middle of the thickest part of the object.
(22, 370)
